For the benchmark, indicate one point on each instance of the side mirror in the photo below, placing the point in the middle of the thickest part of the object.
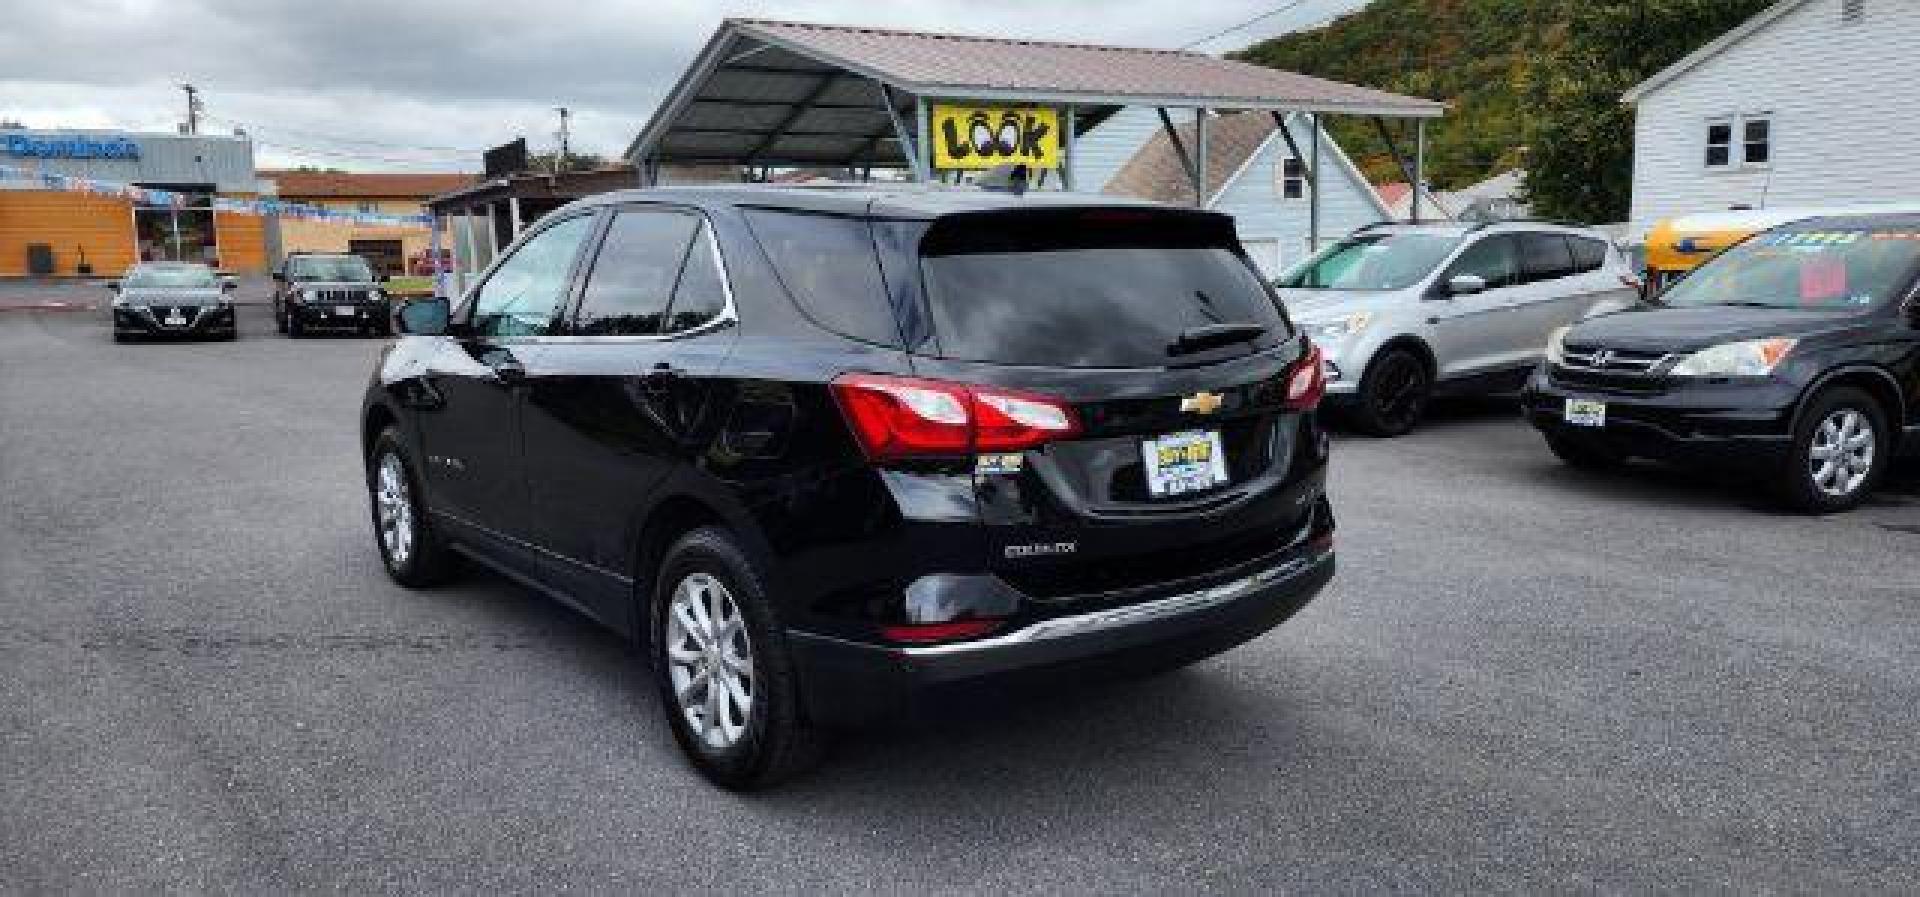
(426, 317)
(113, 285)
(279, 276)
(1466, 285)
(228, 284)
(382, 277)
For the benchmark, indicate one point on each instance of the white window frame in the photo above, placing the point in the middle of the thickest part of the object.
(1282, 180)
(1733, 127)
(1741, 137)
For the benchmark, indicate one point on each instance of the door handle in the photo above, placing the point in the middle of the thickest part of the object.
(509, 370)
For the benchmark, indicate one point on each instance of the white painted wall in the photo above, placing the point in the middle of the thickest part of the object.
(1099, 154)
(1274, 229)
(1841, 98)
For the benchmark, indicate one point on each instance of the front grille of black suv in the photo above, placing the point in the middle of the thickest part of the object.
(1622, 370)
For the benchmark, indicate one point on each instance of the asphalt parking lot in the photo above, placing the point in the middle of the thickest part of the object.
(1523, 678)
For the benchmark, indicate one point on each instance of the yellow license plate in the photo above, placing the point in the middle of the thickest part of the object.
(1179, 463)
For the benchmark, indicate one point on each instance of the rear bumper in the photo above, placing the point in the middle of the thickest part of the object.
(849, 682)
(1746, 426)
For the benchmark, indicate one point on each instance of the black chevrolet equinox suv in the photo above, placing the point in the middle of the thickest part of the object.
(820, 450)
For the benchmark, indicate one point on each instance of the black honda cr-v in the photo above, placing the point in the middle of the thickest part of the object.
(823, 450)
(1794, 355)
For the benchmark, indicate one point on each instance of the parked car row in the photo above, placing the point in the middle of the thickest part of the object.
(1791, 353)
(312, 292)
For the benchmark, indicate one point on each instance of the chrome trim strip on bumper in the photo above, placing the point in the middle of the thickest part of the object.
(1117, 617)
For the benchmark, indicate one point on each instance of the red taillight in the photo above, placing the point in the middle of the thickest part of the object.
(926, 633)
(901, 417)
(1307, 381)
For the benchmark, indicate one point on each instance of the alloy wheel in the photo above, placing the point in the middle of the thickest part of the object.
(1402, 387)
(394, 507)
(1842, 454)
(710, 660)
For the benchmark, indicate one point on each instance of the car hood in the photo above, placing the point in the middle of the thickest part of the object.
(1320, 306)
(1655, 328)
(171, 295)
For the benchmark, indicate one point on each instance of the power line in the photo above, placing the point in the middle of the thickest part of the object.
(352, 141)
(1255, 20)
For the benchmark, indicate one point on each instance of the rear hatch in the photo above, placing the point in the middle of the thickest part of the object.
(1189, 463)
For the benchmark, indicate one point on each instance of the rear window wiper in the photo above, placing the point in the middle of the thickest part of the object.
(1208, 336)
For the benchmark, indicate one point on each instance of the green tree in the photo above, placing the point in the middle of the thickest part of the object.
(1580, 159)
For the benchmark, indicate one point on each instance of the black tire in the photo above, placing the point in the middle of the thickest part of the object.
(426, 561)
(775, 741)
(1393, 394)
(295, 329)
(279, 321)
(122, 338)
(1584, 455)
(1800, 486)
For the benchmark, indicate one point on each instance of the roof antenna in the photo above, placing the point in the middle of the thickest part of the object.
(1010, 178)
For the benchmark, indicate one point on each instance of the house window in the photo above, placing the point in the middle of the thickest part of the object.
(1853, 11)
(1756, 141)
(1293, 179)
(1719, 144)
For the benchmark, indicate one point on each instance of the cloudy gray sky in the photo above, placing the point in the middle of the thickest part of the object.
(425, 84)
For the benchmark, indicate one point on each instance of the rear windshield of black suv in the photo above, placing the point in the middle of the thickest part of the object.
(1099, 288)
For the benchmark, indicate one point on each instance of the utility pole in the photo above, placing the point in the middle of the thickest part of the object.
(193, 108)
(563, 161)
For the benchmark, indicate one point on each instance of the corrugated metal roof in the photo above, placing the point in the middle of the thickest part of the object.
(765, 92)
(976, 66)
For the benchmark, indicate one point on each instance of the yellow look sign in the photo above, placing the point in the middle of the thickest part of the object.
(983, 137)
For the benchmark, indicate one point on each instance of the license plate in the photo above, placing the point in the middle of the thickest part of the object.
(345, 311)
(176, 320)
(1586, 413)
(1178, 463)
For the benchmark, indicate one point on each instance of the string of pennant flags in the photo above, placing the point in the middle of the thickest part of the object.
(151, 196)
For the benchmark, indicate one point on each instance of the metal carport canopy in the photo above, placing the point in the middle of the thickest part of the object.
(784, 93)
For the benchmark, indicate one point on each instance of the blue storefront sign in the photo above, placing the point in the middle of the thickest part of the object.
(76, 147)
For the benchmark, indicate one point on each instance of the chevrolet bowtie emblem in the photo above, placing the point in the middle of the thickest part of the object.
(1201, 403)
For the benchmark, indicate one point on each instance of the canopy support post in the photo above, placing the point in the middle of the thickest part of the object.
(1313, 190)
(513, 218)
(1179, 146)
(1200, 158)
(1066, 152)
(923, 138)
(1419, 164)
(1310, 168)
(1399, 159)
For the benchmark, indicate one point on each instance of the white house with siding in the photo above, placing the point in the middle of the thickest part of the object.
(1250, 177)
(1809, 103)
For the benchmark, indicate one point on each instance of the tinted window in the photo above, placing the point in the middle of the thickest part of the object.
(1841, 268)
(1376, 260)
(1544, 256)
(633, 274)
(1588, 255)
(828, 266)
(524, 294)
(1082, 290)
(1494, 259)
(701, 295)
(329, 268)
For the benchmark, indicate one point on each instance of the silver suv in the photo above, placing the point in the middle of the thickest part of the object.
(1403, 311)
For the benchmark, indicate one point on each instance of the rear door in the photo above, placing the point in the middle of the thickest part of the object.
(1089, 307)
(1550, 298)
(620, 400)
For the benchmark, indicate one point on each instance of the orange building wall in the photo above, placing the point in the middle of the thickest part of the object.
(69, 222)
(243, 242)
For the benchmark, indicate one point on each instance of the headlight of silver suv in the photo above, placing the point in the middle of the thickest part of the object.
(1340, 328)
(1748, 358)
